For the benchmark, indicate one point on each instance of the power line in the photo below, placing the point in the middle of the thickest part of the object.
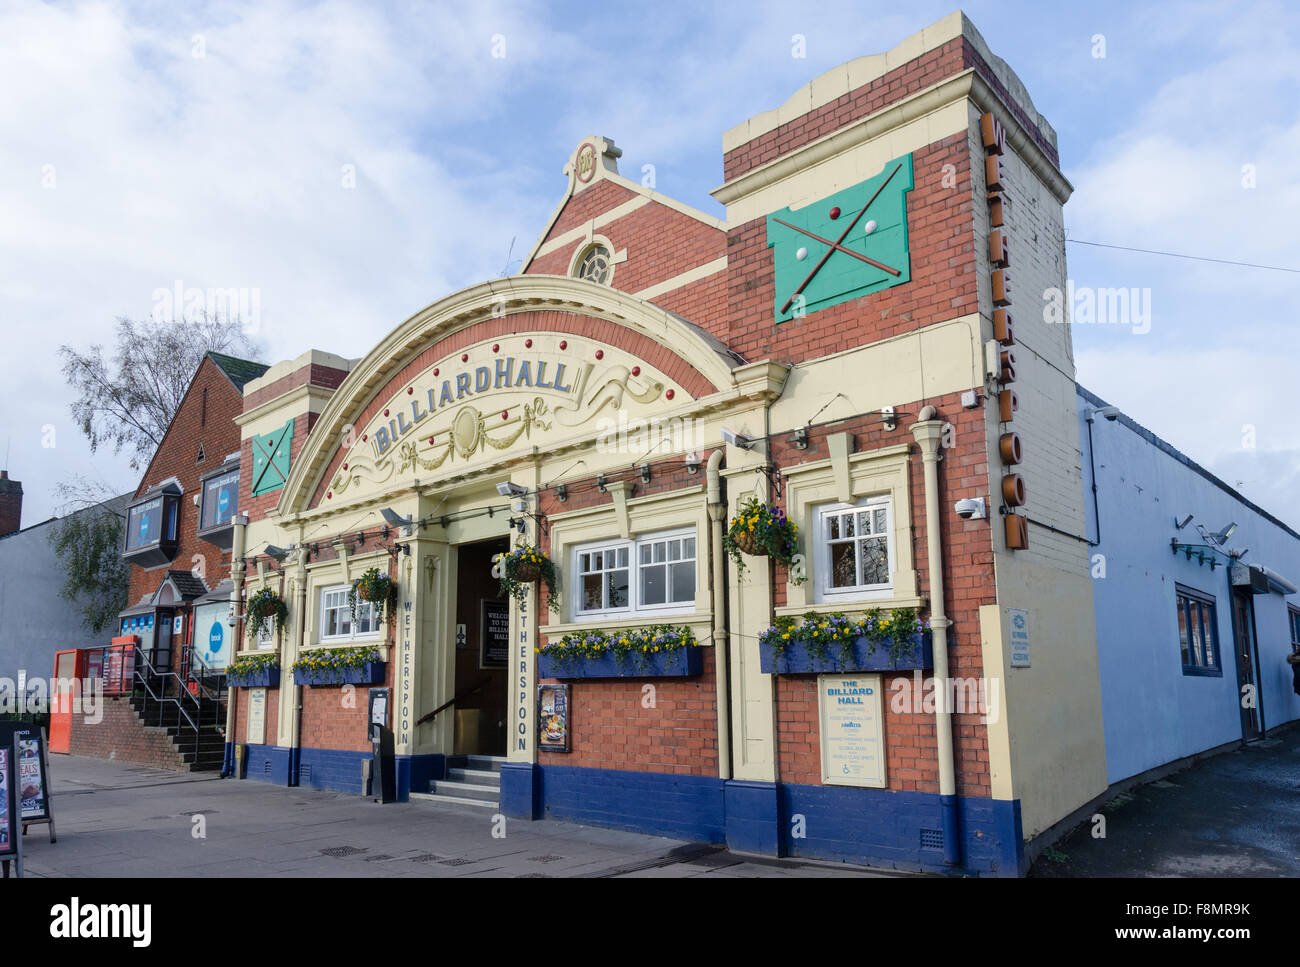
(1178, 255)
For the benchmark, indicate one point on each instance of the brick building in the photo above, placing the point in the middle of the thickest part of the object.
(179, 531)
(839, 349)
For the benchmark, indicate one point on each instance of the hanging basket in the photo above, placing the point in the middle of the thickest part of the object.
(527, 572)
(748, 543)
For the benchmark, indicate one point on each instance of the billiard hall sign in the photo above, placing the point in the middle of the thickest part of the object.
(492, 397)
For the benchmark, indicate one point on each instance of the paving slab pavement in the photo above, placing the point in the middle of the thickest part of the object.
(120, 820)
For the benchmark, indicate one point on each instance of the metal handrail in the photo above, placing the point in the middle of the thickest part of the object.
(163, 699)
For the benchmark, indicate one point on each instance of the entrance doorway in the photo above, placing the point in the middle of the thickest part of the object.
(482, 640)
(1243, 633)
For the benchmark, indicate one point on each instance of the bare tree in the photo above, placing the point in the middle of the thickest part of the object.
(128, 402)
(87, 539)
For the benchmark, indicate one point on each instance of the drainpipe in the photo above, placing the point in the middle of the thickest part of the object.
(236, 600)
(718, 514)
(295, 728)
(928, 431)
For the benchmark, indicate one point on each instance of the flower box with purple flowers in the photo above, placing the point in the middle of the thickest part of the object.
(663, 651)
(829, 643)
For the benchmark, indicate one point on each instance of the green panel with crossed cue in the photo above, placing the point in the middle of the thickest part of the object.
(843, 247)
(271, 459)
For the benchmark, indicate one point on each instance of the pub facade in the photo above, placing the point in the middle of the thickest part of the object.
(809, 498)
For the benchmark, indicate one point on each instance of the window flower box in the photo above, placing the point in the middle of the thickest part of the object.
(833, 643)
(254, 678)
(659, 652)
(340, 666)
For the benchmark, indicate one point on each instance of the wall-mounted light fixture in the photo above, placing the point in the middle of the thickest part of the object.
(800, 438)
(561, 493)
(692, 463)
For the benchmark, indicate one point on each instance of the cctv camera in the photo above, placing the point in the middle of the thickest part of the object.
(508, 488)
(1109, 412)
(971, 508)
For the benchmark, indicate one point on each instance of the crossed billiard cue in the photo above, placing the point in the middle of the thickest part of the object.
(836, 246)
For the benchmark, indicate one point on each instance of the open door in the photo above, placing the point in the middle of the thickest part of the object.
(1243, 633)
(482, 623)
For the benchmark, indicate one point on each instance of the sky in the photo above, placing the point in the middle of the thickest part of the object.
(348, 163)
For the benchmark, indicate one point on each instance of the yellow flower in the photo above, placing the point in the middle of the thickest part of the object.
(786, 636)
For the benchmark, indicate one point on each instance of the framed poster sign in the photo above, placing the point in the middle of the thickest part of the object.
(851, 714)
(494, 635)
(255, 730)
(11, 834)
(32, 775)
(553, 718)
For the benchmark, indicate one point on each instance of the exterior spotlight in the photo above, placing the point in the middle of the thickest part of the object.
(737, 439)
(561, 493)
(1221, 536)
(508, 488)
(394, 518)
(800, 438)
(692, 463)
(279, 553)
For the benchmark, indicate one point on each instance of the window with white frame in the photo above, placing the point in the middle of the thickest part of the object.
(854, 550)
(336, 622)
(655, 573)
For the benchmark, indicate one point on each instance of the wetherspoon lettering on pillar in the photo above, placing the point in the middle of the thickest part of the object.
(506, 373)
(405, 732)
(523, 703)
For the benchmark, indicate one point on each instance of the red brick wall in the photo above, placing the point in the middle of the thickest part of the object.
(176, 457)
(327, 723)
(661, 243)
(120, 736)
(272, 714)
(968, 584)
(256, 507)
(612, 729)
(941, 239)
(587, 204)
(917, 74)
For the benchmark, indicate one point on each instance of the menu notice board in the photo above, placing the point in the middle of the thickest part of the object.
(11, 835)
(494, 647)
(119, 669)
(553, 718)
(30, 774)
(33, 783)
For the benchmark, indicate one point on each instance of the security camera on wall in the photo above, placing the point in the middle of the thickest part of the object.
(971, 508)
(508, 488)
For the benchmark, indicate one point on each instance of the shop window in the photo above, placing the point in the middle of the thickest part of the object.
(220, 503)
(336, 622)
(652, 575)
(151, 526)
(1198, 632)
(853, 547)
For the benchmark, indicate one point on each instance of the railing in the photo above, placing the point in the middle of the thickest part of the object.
(463, 693)
(188, 705)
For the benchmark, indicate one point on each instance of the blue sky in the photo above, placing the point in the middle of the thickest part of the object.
(224, 170)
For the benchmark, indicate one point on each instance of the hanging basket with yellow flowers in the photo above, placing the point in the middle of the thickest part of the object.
(761, 530)
(525, 565)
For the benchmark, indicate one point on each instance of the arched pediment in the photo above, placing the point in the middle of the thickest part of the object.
(521, 362)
